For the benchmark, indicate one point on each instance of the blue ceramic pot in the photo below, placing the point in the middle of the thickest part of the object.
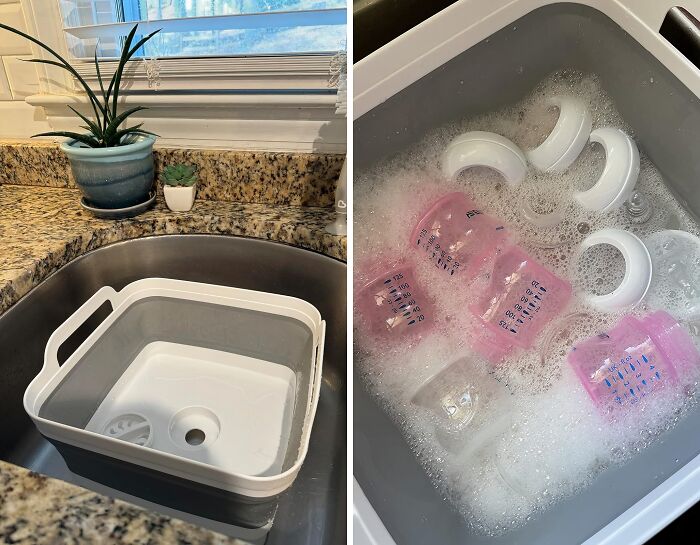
(113, 177)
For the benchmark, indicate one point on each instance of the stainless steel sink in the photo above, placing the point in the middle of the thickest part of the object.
(313, 511)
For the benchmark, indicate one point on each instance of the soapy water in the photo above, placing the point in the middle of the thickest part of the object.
(557, 441)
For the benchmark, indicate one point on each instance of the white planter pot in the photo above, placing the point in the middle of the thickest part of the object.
(179, 199)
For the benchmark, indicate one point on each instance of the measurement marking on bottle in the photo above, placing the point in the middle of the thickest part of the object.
(635, 382)
(525, 309)
(440, 258)
(395, 293)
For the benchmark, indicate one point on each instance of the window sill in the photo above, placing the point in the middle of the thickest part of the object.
(304, 122)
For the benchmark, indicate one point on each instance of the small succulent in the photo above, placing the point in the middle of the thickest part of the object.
(179, 175)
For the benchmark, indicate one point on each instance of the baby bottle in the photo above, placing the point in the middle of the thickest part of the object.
(456, 236)
(392, 304)
(469, 407)
(513, 296)
(516, 298)
(634, 359)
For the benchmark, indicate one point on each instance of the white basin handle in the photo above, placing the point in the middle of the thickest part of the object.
(75, 320)
(567, 139)
(619, 177)
(484, 149)
(368, 528)
(638, 269)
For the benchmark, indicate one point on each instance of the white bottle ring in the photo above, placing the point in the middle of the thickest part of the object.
(555, 217)
(638, 269)
(619, 177)
(484, 149)
(567, 139)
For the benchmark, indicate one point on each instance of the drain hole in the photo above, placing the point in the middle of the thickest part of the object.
(195, 437)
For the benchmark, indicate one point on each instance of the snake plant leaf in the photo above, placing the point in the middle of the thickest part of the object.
(91, 125)
(136, 129)
(149, 133)
(116, 79)
(127, 53)
(122, 132)
(116, 121)
(84, 138)
(62, 64)
(99, 74)
(141, 43)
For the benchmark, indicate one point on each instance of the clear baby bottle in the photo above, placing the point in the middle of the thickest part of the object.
(470, 408)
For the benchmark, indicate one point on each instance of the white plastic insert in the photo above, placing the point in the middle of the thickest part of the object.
(224, 409)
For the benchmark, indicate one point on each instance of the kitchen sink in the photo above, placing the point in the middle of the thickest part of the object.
(313, 510)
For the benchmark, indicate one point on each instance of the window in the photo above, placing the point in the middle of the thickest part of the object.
(241, 44)
(208, 27)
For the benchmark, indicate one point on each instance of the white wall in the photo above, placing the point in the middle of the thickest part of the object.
(17, 79)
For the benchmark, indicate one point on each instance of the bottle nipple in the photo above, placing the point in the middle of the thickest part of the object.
(638, 207)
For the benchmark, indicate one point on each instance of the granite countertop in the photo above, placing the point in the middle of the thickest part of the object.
(42, 229)
(38, 510)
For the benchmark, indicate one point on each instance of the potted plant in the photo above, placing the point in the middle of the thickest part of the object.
(113, 166)
(179, 187)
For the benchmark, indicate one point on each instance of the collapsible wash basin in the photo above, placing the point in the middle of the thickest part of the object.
(186, 390)
(479, 56)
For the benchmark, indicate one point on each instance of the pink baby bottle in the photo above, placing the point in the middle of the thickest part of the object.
(515, 299)
(634, 359)
(393, 304)
(456, 236)
(512, 296)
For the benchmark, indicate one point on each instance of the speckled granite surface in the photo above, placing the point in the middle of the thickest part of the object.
(36, 510)
(298, 179)
(42, 229)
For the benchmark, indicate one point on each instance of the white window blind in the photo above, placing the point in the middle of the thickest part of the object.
(212, 44)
